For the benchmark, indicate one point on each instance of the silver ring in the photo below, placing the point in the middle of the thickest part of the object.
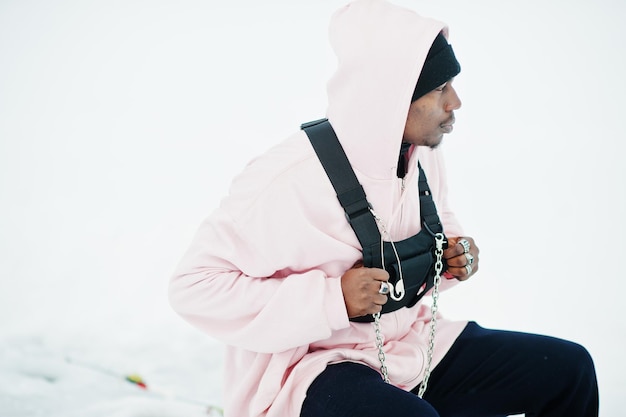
(470, 258)
(384, 288)
(465, 244)
(468, 268)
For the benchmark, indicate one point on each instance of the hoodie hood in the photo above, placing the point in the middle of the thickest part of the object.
(380, 49)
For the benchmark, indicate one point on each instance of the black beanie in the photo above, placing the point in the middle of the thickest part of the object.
(440, 66)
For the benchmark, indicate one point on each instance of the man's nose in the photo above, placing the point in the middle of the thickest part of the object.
(454, 102)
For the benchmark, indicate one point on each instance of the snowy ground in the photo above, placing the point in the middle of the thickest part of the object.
(122, 123)
(81, 375)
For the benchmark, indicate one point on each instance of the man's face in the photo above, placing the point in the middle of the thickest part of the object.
(431, 115)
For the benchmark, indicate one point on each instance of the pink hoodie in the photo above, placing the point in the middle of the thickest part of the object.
(263, 274)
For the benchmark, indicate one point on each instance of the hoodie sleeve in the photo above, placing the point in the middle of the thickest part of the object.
(263, 272)
(257, 313)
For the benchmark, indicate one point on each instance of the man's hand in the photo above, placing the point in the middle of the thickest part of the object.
(361, 286)
(461, 264)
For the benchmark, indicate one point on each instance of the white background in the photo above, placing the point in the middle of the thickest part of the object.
(123, 122)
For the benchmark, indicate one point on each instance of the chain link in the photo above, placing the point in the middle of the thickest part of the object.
(379, 345)
(439, 240)
(433, 311)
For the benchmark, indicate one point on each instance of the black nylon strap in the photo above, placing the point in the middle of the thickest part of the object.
(428, 210)
(349, 191)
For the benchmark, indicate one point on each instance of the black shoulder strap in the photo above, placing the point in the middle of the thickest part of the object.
(428, 210)
(349, 191)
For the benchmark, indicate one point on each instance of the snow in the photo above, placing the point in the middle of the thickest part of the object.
(122, 123)
(64, 374)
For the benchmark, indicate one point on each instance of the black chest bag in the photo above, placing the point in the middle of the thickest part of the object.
(413, 258)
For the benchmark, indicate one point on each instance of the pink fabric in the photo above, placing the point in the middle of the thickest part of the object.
(263, 274)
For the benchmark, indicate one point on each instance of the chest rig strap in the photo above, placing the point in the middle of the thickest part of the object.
(349, 191)
(415, 252)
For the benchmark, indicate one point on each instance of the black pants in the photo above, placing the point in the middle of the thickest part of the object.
(486, 373)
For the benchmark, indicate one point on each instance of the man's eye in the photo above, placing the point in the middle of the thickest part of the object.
(441, 88)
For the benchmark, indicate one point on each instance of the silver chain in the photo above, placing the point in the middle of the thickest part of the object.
(433, 312)
(439, 240)
(379, 345)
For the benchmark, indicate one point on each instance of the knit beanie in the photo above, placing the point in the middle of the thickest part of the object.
(440, 66)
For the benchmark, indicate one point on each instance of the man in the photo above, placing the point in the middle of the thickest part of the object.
(319, 324)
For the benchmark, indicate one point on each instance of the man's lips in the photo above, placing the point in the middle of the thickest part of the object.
(448, 125)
